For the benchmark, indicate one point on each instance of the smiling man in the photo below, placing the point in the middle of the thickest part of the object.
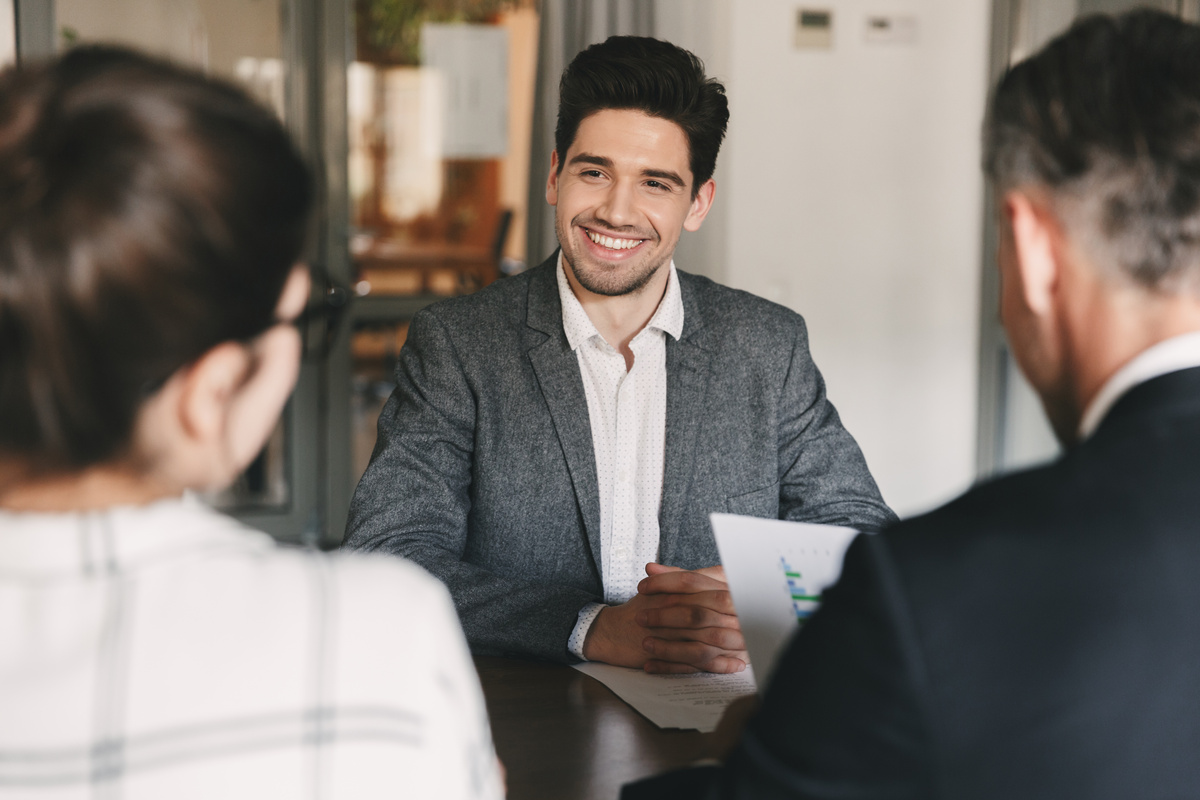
(556, 441)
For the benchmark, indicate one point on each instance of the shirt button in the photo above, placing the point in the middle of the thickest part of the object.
(623, 476)
(622, 553)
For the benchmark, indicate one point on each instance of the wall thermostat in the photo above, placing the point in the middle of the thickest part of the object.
(814, 28)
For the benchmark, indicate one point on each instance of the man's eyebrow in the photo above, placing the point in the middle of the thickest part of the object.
(588, 158)
(665, 175)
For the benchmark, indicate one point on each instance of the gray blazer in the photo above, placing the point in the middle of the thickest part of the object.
(484, 472)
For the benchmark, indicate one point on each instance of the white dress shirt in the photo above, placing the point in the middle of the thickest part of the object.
(1170, 355)
(628, 415)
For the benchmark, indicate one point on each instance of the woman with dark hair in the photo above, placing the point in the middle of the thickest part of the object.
(150, 224)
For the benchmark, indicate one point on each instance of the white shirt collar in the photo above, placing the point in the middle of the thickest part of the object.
(1171, 355)
(668, 317)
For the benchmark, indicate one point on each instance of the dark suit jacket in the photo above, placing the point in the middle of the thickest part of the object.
(1037, 638)
(484, 471)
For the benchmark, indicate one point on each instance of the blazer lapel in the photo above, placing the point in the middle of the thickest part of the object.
(557, 369)
(689, 367)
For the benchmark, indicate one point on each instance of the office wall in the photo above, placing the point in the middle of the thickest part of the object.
(851, 192)
(702, 26)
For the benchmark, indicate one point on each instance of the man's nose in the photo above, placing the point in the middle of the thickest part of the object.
(618, 208)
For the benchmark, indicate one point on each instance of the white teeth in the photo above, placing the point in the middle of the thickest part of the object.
(613, 244)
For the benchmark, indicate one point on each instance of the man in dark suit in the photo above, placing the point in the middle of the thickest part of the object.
(554, 433)
(1038, 637)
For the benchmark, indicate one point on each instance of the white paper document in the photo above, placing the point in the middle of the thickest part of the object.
(674, 701)
(777, 571)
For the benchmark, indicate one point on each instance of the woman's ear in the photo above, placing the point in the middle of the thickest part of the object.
(208, 387)
(180, 431)
(202, 398)
(294, 296)
(212, 417)
(255, 408)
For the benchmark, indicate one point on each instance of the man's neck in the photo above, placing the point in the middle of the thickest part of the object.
(620, 318)
(1114, 334)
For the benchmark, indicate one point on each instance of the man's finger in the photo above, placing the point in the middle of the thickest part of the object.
(717, 572)
(670, 668)
(679, 582)
(722, 638)
(696, 654)
(721, 664)
(689, 615)
(718, 600)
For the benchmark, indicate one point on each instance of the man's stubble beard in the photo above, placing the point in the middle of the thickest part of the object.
(618, 281)
(615, 284)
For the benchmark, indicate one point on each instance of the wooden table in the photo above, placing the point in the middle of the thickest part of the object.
(565, 736)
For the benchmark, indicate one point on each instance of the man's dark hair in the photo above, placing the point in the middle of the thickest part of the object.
(651, 76)
(1106, 120)
(147, 214)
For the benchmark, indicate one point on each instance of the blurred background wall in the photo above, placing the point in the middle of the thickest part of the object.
(849, 190)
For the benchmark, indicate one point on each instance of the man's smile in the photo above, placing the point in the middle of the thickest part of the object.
(612, 242)
(613, 246)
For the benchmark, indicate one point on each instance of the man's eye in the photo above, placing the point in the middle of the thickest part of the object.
(592, 173)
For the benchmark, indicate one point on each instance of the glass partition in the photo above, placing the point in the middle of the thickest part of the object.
(439, 105)
(8, 33)
(240, 40)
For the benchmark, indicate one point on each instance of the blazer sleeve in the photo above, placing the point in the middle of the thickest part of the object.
(414, 501)
(845, 715)
(823, 475)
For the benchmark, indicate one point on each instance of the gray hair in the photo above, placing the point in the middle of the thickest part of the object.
(1106, 120)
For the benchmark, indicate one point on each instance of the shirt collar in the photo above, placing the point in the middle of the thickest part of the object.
(668, 317)
(1171, 355)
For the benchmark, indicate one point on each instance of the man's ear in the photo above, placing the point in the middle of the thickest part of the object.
(552, 180)
(701, 204)
(1035, 234)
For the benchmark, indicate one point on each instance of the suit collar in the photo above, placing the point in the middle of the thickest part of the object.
(1171, 355)
(1171, 395)
(690, 406)
(557, 370)
(545, 311)
(696, 306)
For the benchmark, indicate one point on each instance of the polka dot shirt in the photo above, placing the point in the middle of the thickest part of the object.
(628, 413)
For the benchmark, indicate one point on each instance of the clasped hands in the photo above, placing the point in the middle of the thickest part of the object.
(679, 621)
